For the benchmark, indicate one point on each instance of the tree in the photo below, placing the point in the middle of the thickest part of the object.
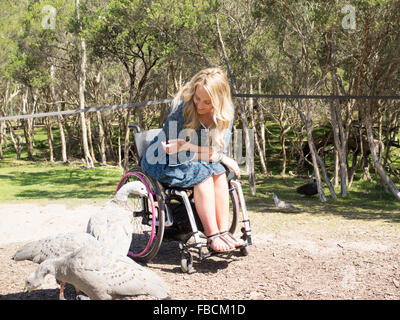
(123, 30)
(82, 86)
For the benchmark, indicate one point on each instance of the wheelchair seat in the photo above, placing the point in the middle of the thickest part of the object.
(142, 139)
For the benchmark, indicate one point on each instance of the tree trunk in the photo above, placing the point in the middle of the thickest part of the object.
(62, 138)
(307, 120)
(1, 138)
(2, 126)
(14, 142)
(102, 139)
(377, 165)
(90, 138)
(134, 98)
(50, 139)
(69, 139)
(282, 140)
(253, 124)
(126, 139)
(59, 117)
(119, 142)
(380, 143)
(339, 147)
(339, 134)
(325, 174)
(242, 104)
(353, 169)
(336, 171)
(82, 88)
(108, 131)
(19, 147)
(261, 120)
(390, 135)
(27, 124)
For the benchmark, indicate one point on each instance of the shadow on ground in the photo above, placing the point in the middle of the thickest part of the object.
(169, 254)
(41, 294)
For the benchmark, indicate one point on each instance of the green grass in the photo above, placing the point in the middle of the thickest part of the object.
(21, 180)
(365, 201)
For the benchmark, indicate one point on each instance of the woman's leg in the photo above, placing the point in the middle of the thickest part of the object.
(222, 211)
(221, 191)
(204, 199)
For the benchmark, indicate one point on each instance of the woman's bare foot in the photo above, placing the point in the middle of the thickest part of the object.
(218, 243)
(231, 239)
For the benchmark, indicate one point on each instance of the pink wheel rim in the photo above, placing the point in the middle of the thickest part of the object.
(153, 225)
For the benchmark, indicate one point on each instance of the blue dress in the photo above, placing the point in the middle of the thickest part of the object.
(180, 169)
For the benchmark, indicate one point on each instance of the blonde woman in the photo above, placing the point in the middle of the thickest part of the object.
(191, 149)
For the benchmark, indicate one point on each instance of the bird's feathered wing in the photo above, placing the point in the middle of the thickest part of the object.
(113, 228)
(53, 246)
(109, 276)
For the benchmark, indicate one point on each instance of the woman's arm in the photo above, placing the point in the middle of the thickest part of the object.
(177, 145)
(231, 164)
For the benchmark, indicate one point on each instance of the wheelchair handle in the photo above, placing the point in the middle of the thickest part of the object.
(134, 126)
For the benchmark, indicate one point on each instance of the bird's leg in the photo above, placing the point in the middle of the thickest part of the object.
(61, 296)
(76, 290)
(80, 296)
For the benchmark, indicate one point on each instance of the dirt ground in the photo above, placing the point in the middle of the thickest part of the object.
(292, 257)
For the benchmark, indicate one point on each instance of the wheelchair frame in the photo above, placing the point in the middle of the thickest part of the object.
(163, 217)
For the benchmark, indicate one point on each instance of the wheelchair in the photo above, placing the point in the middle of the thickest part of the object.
(168, 213)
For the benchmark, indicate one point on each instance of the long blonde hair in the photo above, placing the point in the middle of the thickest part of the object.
(215, 81)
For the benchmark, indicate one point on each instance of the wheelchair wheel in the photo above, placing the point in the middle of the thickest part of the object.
(148, 216)
(186, 263)
(233, 218)
(245, 251)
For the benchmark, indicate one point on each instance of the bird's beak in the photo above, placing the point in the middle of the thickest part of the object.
(26, 289)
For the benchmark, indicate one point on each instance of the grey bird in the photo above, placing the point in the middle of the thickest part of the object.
(112, 224)
(100, 275)
(283, 205)
(54, 247)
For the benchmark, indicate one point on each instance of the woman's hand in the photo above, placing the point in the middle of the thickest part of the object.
(231, 164)
(175, 145)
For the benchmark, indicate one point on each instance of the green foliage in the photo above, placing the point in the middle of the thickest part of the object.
(123, 30)
(28, 56)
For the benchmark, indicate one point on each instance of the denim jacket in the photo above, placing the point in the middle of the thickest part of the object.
(174, 129)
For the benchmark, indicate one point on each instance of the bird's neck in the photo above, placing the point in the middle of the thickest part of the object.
(55, 267)
(120, 201)
(121, 198)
